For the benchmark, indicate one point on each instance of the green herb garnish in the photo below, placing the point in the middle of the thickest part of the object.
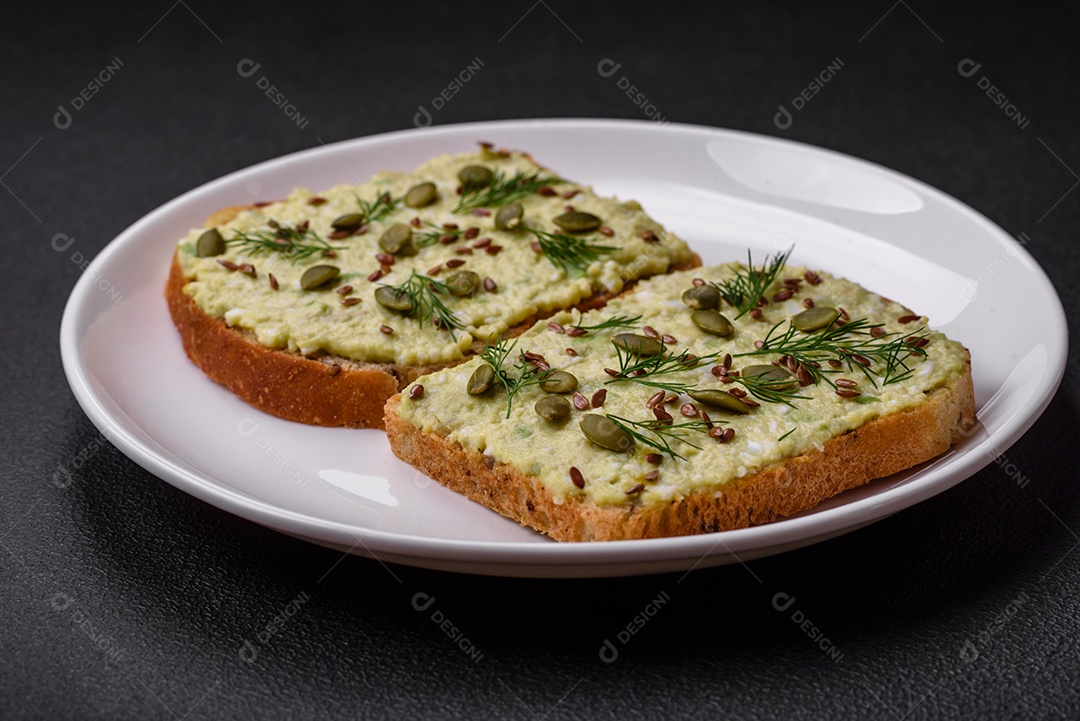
(425, 296)
(375, 210)
(750, 284)
(568, 252)
(293, 242)
(612, 323)
(503, 190)
(659, 434)
(655, 371)
(527, 374)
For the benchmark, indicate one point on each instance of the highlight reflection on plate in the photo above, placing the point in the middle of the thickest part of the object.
(719, 190)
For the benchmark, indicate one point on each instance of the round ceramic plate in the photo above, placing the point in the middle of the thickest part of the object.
(723, 192)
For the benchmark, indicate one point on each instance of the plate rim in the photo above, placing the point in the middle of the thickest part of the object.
(573, 557)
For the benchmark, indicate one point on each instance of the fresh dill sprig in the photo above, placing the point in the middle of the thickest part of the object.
(293, 242)
(433, 234)
(568, 252)
(750, 284)
(655, 371)
(496, 354)
(853, 345)
(503, 190)
(660, 434)
(612, 323)
(375, 210)
(786, 434)
(771, 390)
(427, 305)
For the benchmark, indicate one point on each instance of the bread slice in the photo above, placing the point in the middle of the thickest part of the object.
(312, 381)
(922, 417)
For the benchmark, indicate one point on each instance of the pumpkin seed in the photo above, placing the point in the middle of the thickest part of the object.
(349, 221)
(701, 297)
(509, 216)
(720, 399)
(394, 299)
(773, 375)
(474, 177)
(481, 380)
(463, 283)
(559, 382)
(712, 322)
(421, 195)
(552, 408)
(577, 221)
(817, 317)
(210, 244)
(603, 431)
(639, 345)
(397, 239)
(318, 275)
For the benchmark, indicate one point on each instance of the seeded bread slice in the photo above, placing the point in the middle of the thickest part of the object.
(876, 449)
(325, 390)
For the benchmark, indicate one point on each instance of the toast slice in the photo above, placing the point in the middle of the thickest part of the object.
(331, 354)
(866, 393)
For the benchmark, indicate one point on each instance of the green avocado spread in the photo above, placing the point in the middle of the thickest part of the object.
(899, 364)
(342, 317)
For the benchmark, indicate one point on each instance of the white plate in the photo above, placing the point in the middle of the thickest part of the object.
(721, 191)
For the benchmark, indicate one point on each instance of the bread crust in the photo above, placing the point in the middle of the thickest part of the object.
(324, 391)
(876, 449)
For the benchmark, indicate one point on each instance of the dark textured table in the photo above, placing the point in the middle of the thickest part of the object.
(124, 598)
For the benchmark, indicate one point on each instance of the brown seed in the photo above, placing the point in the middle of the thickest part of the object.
(653, 458)
(535, 245)
(571, 193)
(877, 331)
(718, 433)
(581, 402)
(568, 208)
(546, 190)
(782, 295)
(755, 313)
(464, 250)
(361, 230)
(571, 351)
(759, 344)
(248, 269)
(228, 265)
(470, 233)
(793, 282)
(652, 475)
(493, 249)
(698, 282)
(606, 231)
(375, 276)
(808, 303)
(447, 238)
(415, 222)
(812, 278)
(670, 339)
(704, 417)
(751, 402)
(861, 360)
(719, 371)
(576, 477)
(847, 393)
(655, 399)
(915, 341)
(386, 330)
(611, 372)
(846, 383)
(636, 488)
(273, 281)
(482, 243)
(384, 258)
(649, 236)
(738, 392)
(650, 331)
(576, 332)
(435, 271)
(450, 226)
(599, 397)
(351, 300)
(344, 290)
(316, 200)
(729, 433)
(835, 363)
(733, 373)
(804, 376)
(416, 391)
(662, 415)
(481, 212)
(843, 314)
(688, 410)
(490, 285)
(907, 318)
(455, 263)
(339, 234)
